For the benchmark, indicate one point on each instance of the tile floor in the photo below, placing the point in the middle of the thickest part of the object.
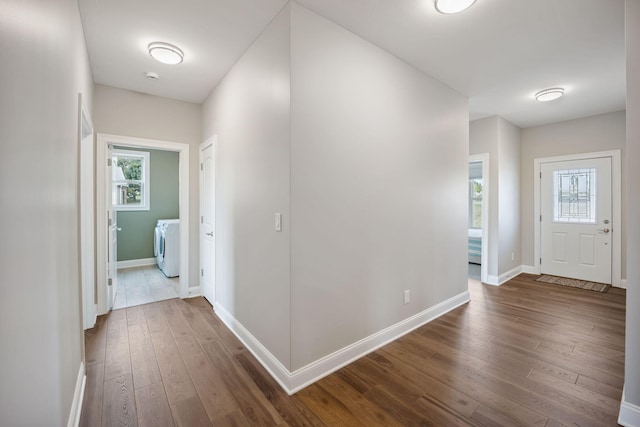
(142, 285)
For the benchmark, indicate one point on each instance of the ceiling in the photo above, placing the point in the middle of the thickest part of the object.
(497, 53)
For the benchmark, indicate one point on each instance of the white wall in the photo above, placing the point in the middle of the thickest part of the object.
(379, 165)
(509, 227)
(127, 113)
(591, 134)
(632, 349)
(249, 111)
(44, 68)
(501, 139)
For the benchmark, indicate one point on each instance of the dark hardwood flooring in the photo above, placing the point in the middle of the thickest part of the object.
(525, 353)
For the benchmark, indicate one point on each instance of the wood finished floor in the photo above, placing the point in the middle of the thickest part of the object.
(525, 353)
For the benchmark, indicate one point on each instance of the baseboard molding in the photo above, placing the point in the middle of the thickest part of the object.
(277, 370)
(293, 382)
(623, 283)
(504, 277)
(136, 263)
(629, 415)
(78, 396)
(193, 291)
(529, 269)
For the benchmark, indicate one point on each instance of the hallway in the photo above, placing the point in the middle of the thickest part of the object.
(525, 352)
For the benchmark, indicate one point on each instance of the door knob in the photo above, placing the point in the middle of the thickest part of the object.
(604, 230)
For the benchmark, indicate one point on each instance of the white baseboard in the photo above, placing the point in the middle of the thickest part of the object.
(492, 280)
(193, 291)
(623, 283)
(78, 396)
(529, 269)
(136, 263)
(295, 381)
(504, 277)
(277, 370)
(629, 415)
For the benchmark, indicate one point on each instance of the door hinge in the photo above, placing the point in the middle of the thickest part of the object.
(109, 221)
(109, 281)
(201, 220)
(540, 261)
(540, 218)
(202, 272)
(201, 166)
(108, 162)
(540, 175)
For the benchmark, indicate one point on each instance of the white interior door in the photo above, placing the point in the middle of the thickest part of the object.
(576, 219)
(207, 221)
(112, 236)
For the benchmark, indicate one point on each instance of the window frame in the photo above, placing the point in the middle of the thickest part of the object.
(471, 200)
(145, 182)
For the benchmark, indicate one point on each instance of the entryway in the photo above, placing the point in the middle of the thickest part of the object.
(579, 220)
(106, 275)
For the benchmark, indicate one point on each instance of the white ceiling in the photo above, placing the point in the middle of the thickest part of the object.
(498, 53)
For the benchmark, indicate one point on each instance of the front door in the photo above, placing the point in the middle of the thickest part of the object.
(576, 219)
(207, 222)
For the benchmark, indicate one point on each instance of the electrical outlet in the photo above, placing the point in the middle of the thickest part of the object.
(407, 296)
(513, 256)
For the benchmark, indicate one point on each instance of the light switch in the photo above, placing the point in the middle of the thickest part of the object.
(278, 222)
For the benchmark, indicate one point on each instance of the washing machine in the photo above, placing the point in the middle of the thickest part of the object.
(166, 246)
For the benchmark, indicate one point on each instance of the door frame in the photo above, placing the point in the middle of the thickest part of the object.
(616, 208)
(486, 193)
(103, 141)
(86, 215)
(209, 142)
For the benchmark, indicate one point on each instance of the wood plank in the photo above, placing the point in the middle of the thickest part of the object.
(95, 341)
(152, 406)
(488, 417)
(214, 394)
(177, 323)
(290, 409)
(201, 328)
(119, 407)
(356, 403)
(255, 406)
(93, 394)
(330, 410)
(117, 356)
(144, 365)
(598, 387)
(190, 413)
(176, 379)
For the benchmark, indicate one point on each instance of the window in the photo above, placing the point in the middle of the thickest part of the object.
(475, 203)
(574, 196)
(130, 180)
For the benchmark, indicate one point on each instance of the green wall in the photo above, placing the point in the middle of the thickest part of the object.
(135, 241)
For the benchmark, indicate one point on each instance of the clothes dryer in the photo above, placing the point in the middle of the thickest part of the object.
(167, 246)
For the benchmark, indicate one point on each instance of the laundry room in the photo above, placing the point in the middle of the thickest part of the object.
(145, 192)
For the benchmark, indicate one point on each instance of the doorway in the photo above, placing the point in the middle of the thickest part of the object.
(578, 212)
(108, 289)
(478, 226)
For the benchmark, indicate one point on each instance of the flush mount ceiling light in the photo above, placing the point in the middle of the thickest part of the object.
(452, 6)
(165, 53)
(549, 94)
